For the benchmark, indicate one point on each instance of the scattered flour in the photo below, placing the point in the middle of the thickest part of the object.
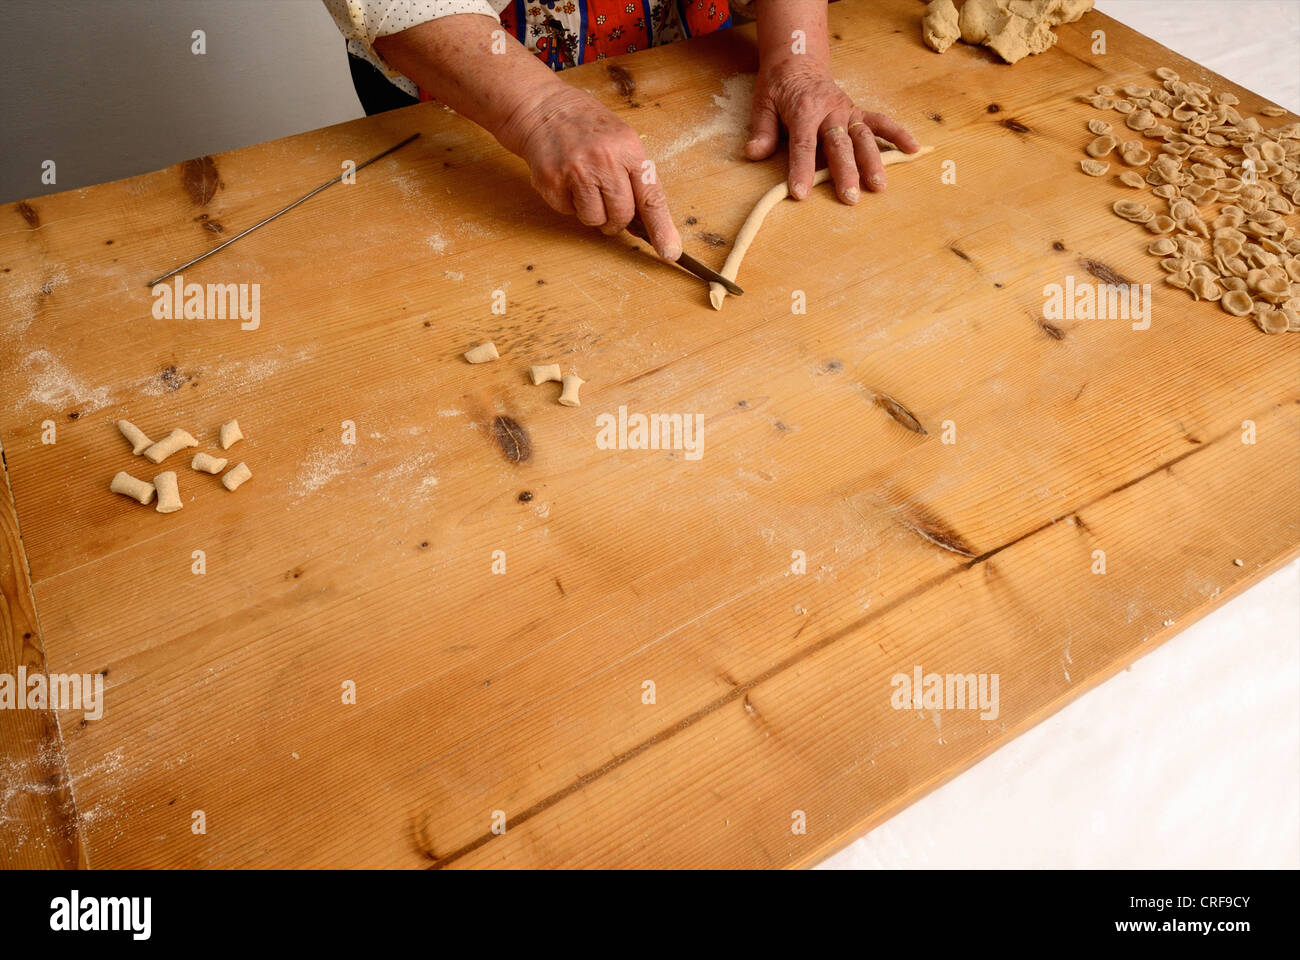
(321, 467)
(453, 275)
(234, 377)
(23, 301)
(53, 385)
(731, 120)
(20, 779)
(468, 228)
(436, 242)
(396, 481)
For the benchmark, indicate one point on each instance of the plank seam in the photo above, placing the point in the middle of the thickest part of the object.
(800, 655)
(23, 569)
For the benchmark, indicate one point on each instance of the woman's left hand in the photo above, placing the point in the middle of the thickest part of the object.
(801, 93)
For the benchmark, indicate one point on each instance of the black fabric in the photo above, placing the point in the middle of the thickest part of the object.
(374, 90)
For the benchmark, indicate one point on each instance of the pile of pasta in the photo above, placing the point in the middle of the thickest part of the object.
(1226, 190)
(165, 484)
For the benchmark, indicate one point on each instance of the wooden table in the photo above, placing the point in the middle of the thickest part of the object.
(522, 694)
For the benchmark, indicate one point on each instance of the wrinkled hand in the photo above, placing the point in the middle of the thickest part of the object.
(808, 100)
(586, 161)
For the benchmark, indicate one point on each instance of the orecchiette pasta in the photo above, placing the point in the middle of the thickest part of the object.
(1232, 188)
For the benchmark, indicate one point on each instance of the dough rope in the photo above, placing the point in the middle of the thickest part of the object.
(730, 269)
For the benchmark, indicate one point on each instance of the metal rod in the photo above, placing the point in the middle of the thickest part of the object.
(302, 199)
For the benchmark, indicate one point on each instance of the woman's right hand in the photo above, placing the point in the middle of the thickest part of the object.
(584, 160)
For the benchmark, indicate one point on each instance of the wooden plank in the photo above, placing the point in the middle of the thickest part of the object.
(818, 734)
(522, 692)
(38, 819)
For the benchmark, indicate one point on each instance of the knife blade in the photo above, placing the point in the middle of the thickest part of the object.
(687, 262)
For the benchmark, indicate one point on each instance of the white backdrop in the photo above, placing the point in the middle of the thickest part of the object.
(1191, 758)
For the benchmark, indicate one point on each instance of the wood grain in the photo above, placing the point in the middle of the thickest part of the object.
(522, 692)
(38, 819)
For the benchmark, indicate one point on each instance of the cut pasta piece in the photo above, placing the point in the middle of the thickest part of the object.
(176, 440)
(236, 475)
(169, 494)
(572, 384)
(139, 442)
(129, 486)
(483, 353)
(544, 373)
(230, 434)
(208, 463)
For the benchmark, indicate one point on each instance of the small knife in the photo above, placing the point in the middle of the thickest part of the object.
(687, 262)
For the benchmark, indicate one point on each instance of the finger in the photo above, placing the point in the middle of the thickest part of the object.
(871, 168)
(652, 205)
(895, 133)
(555, 194)
(588, 203)
(841, 158)
(764, 129)
(620, 204)
(803, 155)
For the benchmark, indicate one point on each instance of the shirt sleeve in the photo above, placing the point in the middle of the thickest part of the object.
(362, 22)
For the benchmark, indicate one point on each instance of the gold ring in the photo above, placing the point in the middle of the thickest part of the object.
(857, 123)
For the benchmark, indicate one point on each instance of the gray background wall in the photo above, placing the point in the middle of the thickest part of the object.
(109, 88)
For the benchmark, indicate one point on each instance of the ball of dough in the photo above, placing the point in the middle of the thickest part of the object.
(939, 27)
(977, 18)
(1013, 38)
